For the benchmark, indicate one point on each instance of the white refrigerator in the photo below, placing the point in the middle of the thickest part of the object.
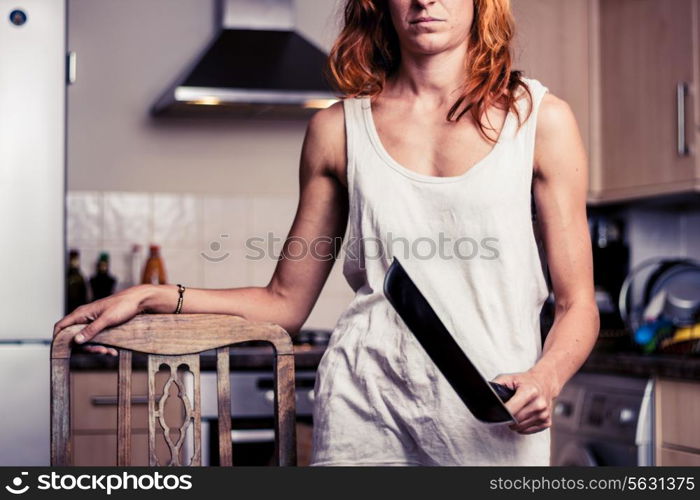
(32, 207)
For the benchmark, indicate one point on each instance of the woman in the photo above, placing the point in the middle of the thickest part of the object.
(404, 162)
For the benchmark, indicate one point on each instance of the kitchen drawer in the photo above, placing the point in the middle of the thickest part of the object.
(100, 449)
(678, 407)
(94, 401)
(669, 456)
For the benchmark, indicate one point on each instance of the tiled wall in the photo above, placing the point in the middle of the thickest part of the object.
(659, 232)
(194, 231)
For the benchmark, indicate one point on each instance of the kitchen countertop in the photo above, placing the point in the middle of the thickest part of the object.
(307, 357)
(634, 363)
(254, 357)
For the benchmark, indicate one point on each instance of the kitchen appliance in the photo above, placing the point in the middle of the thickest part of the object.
(32, 193)
(603, 419)
(252, 396)
(611, 259)
(484, 399)
(257, 65)
(252, 415)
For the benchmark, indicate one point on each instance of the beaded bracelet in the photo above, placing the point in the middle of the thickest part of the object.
(181, 291)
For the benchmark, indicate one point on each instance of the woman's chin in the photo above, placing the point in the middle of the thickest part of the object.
(429, 46)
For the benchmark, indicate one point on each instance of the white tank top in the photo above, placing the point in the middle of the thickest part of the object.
(469, 243)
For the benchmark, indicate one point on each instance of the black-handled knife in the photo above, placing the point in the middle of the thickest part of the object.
(483, 398)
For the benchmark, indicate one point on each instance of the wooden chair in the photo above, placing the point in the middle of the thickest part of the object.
(174, 340)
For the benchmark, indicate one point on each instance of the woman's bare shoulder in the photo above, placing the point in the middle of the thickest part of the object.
(558, 136)
(554, 111)
(555, 118)
(325, 141)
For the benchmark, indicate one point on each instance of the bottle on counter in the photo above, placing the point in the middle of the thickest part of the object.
(76, 288)
(154, 271)
(102, 283)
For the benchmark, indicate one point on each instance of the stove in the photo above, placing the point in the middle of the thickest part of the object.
(252, 396)
(312, 337)
(307, 337)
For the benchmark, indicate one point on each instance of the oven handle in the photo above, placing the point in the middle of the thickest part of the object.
(252, 435)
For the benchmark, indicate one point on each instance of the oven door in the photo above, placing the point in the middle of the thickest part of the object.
(252, 417)
(253, 441)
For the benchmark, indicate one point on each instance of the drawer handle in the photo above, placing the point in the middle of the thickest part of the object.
(112, 400)
(252, 435)
(681, 92)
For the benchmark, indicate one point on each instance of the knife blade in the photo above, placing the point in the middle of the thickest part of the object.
(484, 399)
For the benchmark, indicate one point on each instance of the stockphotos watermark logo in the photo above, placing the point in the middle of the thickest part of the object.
(360, 249)
(18, 487)
(106, 483)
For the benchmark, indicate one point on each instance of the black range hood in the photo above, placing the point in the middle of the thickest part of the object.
(256, 66)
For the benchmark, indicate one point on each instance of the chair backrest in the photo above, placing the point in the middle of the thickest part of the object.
(174, 340)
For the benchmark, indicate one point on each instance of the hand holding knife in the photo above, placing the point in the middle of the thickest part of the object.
(483, 398)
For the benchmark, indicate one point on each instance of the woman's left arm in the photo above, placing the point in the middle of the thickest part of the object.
(560, 185)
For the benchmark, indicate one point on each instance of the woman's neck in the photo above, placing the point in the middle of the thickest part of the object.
(435, 79)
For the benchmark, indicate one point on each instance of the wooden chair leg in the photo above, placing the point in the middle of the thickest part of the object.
(285, 410)
(60, 412)
(124, 409)
(223, 374)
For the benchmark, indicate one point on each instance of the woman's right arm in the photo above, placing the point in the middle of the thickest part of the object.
(302, 269)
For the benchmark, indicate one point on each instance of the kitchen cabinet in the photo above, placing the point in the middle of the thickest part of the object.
(675, 458)
(621, 64)
(94, 418)
(676, 431)
(553, 45)
(647, 53)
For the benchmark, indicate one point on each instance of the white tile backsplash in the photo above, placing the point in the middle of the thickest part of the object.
(225, 220)
(120, 265)
(183, 266)
(654, 233)
(260, 270)
(229, 270)
(271, 218)
(202, 238)
(84, 219)
(177, 220)
(127, 219)
(690, 230)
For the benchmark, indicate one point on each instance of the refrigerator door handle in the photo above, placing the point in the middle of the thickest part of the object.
(71, 67)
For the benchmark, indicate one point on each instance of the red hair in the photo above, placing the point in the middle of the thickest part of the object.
(367, 52)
